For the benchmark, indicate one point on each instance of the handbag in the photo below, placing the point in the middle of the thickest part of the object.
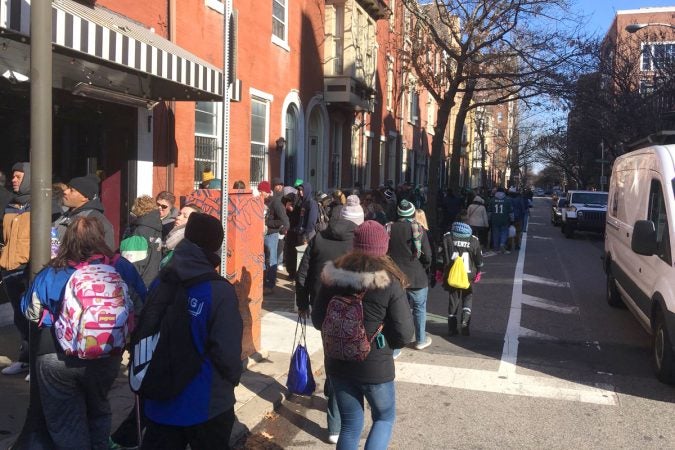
(300, 377)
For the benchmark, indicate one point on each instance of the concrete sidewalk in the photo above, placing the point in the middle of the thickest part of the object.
(262, 387)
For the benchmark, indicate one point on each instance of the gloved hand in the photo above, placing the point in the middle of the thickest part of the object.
(477, 278)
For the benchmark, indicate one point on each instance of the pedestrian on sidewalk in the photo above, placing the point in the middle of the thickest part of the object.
(367, 269)
(477, 219)
(167, 211)
(460, 243)
(327, 245)
(410, 249)
(501, 216)
(277, 223)
(74, 391)
(14, 256)
(202, 414)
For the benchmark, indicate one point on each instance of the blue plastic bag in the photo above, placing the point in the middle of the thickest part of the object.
(300, 377)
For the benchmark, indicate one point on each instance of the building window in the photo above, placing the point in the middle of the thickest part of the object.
(279, 20)
(338, 40)
(657, 56)
(207, 152)
(390, 85)
(499, 117)
(290, 170)
(259, 123)
(414, 106)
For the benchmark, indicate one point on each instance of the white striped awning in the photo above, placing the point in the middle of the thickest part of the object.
(100, 35)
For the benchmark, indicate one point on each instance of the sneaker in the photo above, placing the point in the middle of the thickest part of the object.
(397, 353)
(112, 445)
(423, 345)
(333, 438)
(27, 378)
(15, 368)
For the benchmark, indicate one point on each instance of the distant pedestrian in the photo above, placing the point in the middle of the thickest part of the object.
(477, 218)
(276, 222)
(367, 271)
(178, 232)
(460, 243)
(410, 249)
(143, 243)
(501, 216)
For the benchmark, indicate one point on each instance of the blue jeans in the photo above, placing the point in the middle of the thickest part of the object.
(500, 233)
(382, 401)
(418, 302)
(332, 412)
(271, 244)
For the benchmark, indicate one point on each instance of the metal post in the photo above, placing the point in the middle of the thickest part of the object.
(602, 166)
(227, 24)
(33, 434)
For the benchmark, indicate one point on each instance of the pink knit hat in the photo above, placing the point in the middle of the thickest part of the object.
(371, 238)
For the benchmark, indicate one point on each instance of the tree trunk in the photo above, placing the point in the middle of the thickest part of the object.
(437, 153)
(458, 131)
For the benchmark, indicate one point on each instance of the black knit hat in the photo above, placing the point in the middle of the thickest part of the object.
(205, 231)
(87, 186)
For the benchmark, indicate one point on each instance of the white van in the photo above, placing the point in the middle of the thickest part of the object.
(638, 246)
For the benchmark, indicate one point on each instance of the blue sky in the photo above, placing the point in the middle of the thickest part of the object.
(600, 13)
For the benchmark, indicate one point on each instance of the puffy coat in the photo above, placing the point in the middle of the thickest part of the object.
(328, 245)
(384, 302)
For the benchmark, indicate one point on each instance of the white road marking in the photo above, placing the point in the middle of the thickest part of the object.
(546, 238)
(549, 305)
(542, 280)
(507, 367)
(534, 223)
(490, 381)
(526, 332)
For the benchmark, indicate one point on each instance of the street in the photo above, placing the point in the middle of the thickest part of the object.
(548, 364)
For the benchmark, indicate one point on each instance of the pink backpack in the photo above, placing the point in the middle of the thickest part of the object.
(343, 334)
(96, 315)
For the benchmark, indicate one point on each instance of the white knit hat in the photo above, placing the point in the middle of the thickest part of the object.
(353, 211)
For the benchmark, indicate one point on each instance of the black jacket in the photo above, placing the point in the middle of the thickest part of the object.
(277, 219)
(5, 197)
(402, 251)
(328, 245)
(452, 246)
(385, 302)
(93, 208)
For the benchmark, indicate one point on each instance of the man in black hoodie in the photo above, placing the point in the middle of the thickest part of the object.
(82, 198)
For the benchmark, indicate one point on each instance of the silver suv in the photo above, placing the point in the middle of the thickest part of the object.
(584, 211)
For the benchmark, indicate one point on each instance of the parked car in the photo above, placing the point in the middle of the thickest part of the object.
(556, 211)
(639, 241)
(584, 211)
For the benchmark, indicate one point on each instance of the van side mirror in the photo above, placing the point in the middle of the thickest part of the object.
(643, 241)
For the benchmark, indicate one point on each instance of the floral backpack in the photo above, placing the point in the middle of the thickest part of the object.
(96, 315)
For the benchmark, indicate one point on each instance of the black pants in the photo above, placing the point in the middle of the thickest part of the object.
(460, 303)
(15, 284)
(126, 433)
(211, 435)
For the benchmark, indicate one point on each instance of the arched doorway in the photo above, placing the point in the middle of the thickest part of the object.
(316, 168)
(291, 153)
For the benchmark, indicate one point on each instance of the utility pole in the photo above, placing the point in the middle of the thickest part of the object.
(225, 166)
(34, 432)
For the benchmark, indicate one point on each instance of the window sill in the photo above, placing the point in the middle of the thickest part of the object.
(216, 5)
(280, 43)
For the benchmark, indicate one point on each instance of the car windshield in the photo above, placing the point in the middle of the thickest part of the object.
(590, 198)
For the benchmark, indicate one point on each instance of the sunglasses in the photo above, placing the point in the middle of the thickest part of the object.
(162, 206)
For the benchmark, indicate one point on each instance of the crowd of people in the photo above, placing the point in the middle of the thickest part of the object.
(377, 246)
(374, 247)
(87, 305)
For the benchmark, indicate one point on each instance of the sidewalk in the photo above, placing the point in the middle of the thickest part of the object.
(262, 387)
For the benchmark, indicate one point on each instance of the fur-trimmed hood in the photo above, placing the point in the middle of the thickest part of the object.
(338, 277)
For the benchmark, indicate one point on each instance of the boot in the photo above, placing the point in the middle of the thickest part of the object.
(452, 325)
(466, 320)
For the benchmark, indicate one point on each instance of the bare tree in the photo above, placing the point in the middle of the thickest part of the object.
(496, 51)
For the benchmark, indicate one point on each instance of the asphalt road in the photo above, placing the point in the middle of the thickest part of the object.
(548, 364)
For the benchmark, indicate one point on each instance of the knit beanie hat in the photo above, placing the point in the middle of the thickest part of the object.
(405, 209)
(207, 175)
(264, 186)
(205, 231)
(371, 238)
(461, 230)
(87, 186)
(276, 181)
(353, 211)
